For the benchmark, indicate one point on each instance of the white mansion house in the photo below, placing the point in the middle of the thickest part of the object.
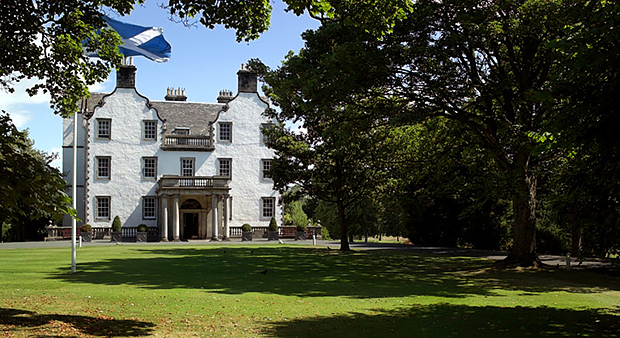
(188, 170)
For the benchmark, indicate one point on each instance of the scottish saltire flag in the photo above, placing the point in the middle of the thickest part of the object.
(146, 41)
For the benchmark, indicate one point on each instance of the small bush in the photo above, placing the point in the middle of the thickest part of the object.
(143, 228)
(301, 227)
(325, 233)
(246, 227)
(87, 228)
(273, 224)
(116, 224)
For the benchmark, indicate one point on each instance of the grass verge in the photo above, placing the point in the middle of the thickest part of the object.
(293, 291)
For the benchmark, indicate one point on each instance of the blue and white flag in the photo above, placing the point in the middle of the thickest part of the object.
(146, 41)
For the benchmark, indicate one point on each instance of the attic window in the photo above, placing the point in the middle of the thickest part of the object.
(181, 131)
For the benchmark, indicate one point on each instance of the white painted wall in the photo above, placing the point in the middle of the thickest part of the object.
(126, 187)
(247, 150)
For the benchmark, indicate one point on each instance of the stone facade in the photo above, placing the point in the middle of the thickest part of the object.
(192, 170)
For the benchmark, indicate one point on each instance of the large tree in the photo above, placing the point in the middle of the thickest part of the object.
(30, 188)
(490, 66)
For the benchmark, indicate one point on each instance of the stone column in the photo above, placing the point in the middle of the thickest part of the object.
(225, 217)
(214, 214)
(164, 216)
(175, 219)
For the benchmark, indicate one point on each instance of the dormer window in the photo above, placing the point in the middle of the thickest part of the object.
(181, 131)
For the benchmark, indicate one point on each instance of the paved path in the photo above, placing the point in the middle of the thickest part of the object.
(605, 265)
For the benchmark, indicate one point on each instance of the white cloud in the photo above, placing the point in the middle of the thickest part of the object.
(20, 97)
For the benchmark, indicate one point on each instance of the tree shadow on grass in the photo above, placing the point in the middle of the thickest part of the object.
(41, 325)
(305, 272)
(447, 320)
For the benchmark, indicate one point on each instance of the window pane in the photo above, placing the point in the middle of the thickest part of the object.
(268, 207)
(225, 131)
(148, 207)
(150, 130)
(149, 167)
(103, 207)
(103, 128)
(103, 167)
(187, 167)
(225, 167)
(266, 167)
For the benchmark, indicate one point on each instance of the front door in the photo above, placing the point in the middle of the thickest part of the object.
(190, 225)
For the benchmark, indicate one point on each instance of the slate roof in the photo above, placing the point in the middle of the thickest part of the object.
(193, 115)
(93, 100)
(178, 114)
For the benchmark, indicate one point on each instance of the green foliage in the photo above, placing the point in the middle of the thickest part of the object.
(294, 214)
(86, 227)
(143, 228)
(248, 18)
(44, 39)
(31, 190)
(493, 69)
(325, 234)
(452, 194)
(246, 227)
(273, 224)
(116, 224)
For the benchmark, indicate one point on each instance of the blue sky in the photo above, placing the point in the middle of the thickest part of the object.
(203, 62)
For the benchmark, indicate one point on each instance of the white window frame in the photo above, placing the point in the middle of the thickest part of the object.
(221, 170)
(265, 165)
(145, 168)
(191, 160)
(99, 160)
(103, 203)
(149, 204)
(220, 134)
(100, 128)
(267, 208)
(146, 131)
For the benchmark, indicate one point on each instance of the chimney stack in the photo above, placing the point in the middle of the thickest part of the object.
(175, 94)
(126, 75)
(247, 81)
(225, 96)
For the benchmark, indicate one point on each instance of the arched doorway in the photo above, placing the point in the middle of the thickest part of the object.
(190, 209)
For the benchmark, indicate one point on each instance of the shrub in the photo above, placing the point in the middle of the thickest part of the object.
(325, 233)
(87, 228)
(246, 227)
(143, 228)
(116, 224)
(273, 224)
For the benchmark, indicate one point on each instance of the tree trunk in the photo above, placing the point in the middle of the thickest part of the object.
(344, 243)
(523, 252)
(575, 236)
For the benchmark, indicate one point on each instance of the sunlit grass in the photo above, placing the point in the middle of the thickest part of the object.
(292, 291)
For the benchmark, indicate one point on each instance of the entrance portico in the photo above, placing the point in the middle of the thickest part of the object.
(193, 207)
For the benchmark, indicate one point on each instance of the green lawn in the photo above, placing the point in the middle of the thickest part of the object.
(202, 291)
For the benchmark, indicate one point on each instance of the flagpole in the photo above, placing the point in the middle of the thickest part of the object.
(74, 191)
